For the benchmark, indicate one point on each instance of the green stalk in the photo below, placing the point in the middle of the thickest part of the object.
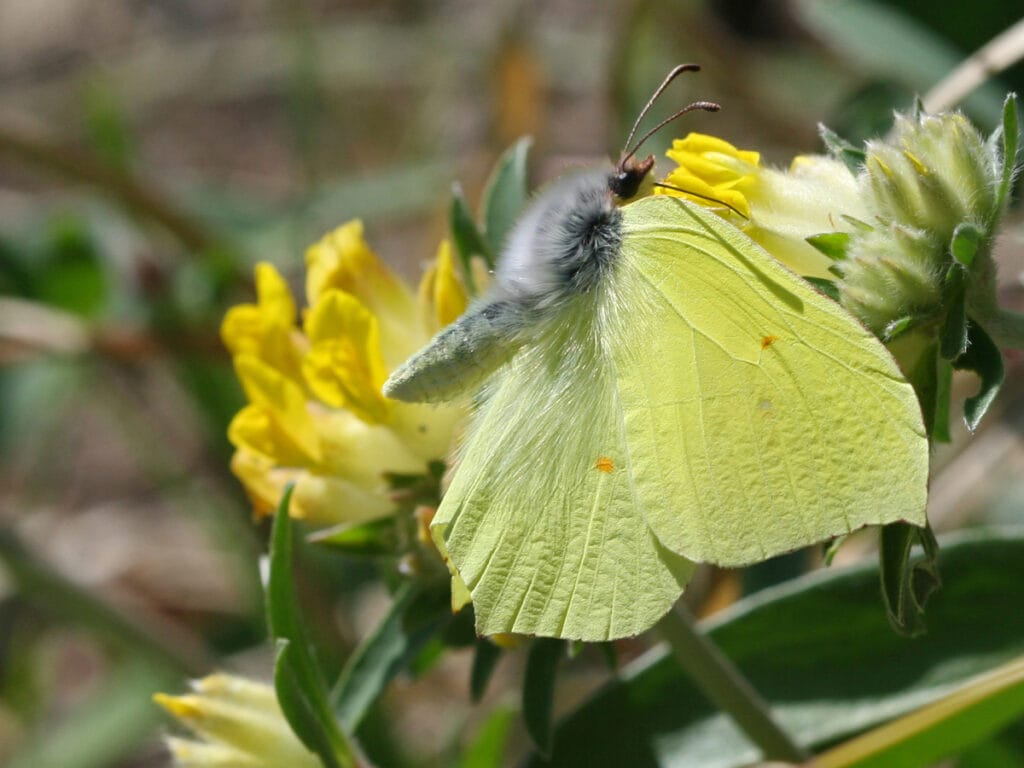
(724, 685)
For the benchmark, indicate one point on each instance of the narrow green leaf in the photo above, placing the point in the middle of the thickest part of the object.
(395, 642)
(984, 358)
(898, 327)
(485, 660)
(943, 395)
(827, 287)
(953, 335)
(505, 193)
(539, 690)
(965, 242)
(374, 539)
(298, 707)
(973, 712)
(1011, 137)
(298, 681)
(907, 584)
(841, 149)
(468, 239)
(831, 244)
(488, 746)
(822, 687)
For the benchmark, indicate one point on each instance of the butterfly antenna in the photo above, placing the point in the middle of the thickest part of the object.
(679, 69)
(710, 199)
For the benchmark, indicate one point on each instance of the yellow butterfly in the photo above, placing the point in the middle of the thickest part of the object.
(653, 390)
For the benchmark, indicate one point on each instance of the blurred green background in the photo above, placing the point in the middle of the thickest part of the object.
(151, 151)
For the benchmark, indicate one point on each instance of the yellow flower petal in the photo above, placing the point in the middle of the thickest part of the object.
(268, 388)
(266, 329)
(197, 754)
(263, 481)
(361, 453)
(242, 329)
(694, 188)
(255, 428)
(344, 367)
(322, 500)
(697, 144)
(274, 296)
(234, 714)
(342, 260)
(441, 291)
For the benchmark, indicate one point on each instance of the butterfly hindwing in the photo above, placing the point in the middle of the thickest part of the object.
(759, 416)
(540, 517)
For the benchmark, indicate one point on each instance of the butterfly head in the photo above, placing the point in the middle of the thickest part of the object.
(627, 179)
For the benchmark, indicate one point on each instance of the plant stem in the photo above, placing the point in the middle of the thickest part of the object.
(720, 680)
(143, 200)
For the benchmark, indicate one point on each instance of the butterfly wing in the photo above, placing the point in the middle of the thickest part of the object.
(759, 415)
(540, 519)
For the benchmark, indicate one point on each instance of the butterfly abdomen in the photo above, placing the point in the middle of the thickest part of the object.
(460, 356)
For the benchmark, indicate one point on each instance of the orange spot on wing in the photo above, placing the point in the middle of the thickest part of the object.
(767, 341)
(604, 464)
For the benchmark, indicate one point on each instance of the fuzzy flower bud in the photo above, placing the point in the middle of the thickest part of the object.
(934, 182)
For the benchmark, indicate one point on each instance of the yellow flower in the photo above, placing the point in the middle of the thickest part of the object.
(778, 209)
(237, 722)
(315, 414)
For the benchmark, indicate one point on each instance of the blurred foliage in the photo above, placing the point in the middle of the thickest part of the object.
(151, 153)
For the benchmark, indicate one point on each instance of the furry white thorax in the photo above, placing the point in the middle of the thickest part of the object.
(560, 244)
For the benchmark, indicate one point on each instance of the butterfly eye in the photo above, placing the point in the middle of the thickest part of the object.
(624, 184)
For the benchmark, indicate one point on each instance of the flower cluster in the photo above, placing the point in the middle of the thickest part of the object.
(934, 175)
(890, 227)
(315, 413)
(777, 209)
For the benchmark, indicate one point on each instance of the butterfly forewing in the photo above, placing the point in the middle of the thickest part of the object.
(759, 416)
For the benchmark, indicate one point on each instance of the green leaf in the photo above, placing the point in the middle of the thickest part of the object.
(374, 539)
(906, 585)
(953, 335)
(73, 275)
(539, 690)
(827, 287)
(969, 715)
(299, 707)
(396, 641)
(106, 124)
(298, 681)
(965, 242)
(488, 746)
(841, 149)
(485, 659)
(1011, 137)
(820, 650)
(506, 193)
(468, 239)
(984, 358)
(831, 244)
